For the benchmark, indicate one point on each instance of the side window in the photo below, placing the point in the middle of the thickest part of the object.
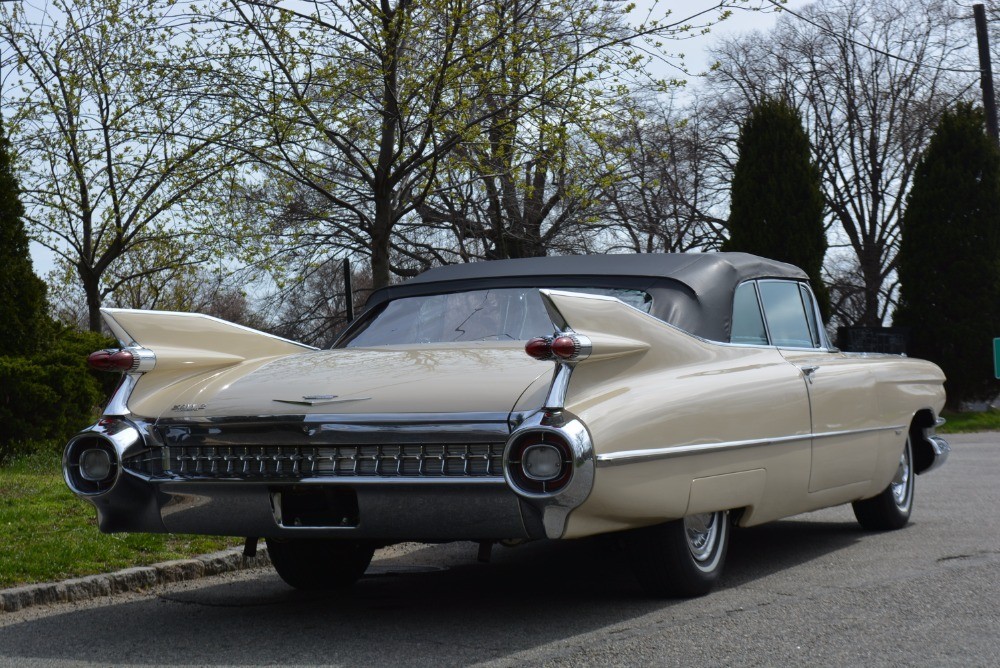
(748, 324)
(786, 316)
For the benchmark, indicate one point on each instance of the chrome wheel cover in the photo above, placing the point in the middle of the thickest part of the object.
(902, 483)
(704, 534)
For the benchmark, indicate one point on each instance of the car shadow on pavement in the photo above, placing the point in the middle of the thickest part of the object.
(433, 606)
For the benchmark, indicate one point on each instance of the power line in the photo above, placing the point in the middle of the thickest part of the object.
(874, 49)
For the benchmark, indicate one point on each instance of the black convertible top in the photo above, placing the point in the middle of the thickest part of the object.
(693, 291)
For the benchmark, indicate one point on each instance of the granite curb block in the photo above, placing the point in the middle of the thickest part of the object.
(130, 579)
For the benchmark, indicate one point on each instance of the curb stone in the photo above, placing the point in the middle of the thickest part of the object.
(130, 579)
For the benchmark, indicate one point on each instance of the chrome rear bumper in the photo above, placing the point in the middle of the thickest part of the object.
(940, 449)
(930, 450)
(289, 476)
(388, 512)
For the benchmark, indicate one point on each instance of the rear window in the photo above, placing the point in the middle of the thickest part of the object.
(499, 314)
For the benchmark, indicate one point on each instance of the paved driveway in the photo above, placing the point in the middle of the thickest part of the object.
(812, 590)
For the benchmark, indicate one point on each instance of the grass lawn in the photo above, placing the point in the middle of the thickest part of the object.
(963, 423)
(48, 534)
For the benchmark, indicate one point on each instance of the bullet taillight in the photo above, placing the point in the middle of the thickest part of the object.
(568, 347)
(112, 360)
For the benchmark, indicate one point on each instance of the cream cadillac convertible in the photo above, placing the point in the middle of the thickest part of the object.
(666, 397)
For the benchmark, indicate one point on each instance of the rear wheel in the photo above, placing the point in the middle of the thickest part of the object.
(319, 563)
(682, 558)
(891, 508)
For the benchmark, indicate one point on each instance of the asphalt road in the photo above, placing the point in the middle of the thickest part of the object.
(812, 590)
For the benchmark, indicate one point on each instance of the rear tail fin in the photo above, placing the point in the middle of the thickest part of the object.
(167, 347)
(616, 329)
(193, 339)
(601, 340)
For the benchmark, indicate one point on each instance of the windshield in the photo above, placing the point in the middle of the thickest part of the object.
(501, 314)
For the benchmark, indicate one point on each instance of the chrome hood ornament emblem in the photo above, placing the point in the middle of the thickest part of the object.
(318, 400)
(180, 408)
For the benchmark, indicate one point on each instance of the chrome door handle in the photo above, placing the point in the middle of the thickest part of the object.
(809, 371)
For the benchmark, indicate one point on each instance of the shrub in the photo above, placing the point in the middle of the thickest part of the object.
(50, 395)
(949, 256)
(26, 327)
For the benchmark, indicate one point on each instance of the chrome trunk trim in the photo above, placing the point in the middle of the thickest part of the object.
(389, 422)
(366, 448)
(406, 461)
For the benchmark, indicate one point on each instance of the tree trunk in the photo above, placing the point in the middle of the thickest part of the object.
(870, 275)
(92, 290)
(380, 240)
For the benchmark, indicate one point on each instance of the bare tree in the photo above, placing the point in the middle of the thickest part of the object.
(524, 183)
(664, 189)
(361, 102)
(847, 291)
(314, 311)
(114, 161)
(522, 193)
(871, 79)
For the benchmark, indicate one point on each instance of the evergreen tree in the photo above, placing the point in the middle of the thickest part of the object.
(22, 294)
(777, 205)
(949, 255)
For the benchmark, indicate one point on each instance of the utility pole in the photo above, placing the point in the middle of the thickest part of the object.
(986, 72)
(349, 293)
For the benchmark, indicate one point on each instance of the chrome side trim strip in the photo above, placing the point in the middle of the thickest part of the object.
(633, 456)
(851, 432)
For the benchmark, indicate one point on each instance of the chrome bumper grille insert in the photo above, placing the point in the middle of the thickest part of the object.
(278, 462)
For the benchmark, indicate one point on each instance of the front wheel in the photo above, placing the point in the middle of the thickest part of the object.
(891, 508)
(319, 563)
(683, 558)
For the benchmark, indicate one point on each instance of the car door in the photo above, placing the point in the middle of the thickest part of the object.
(843, 402)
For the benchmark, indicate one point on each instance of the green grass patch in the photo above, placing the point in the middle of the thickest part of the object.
(964, 423)
(49, 534)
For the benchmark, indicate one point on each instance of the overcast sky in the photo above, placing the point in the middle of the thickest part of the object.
(742, 19)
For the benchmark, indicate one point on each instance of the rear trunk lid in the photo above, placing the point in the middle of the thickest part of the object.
(427, 378)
